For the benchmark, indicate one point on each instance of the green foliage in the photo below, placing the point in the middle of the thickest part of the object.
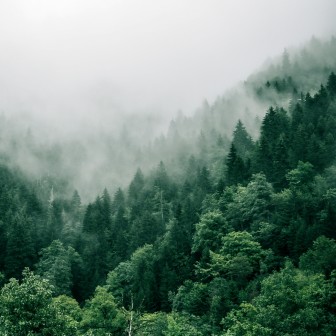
(331, 85)
(134, 281)
(300, 176)
(237, 171)
(101, 316)
(70, 311)
(27, 308)
(196, 240)
(193, 298)
(321, 258)
(272, 140)
(251, 204)
(20, 248)
(152, 324)
(209, 232)
(56, 265)
(242, 141)
(290, 303)
(242, 322)
(238, 259)
(181, 325)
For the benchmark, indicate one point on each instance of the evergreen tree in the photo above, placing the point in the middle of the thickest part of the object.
(236, 171)
(76, 206)
(57, 264)
(242, 141)
(20, 251)
(135, 187)
(331, 85)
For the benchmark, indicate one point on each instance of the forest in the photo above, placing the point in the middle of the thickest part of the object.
(230, 229)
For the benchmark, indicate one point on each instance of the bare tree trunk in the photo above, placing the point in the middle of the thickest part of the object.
(131, 319)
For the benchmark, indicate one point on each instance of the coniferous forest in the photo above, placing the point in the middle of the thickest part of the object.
(230, 231)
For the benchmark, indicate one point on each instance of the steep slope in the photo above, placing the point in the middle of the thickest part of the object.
(231, 235)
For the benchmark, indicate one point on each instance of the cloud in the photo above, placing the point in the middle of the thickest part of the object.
(161, 55)
(73, 70)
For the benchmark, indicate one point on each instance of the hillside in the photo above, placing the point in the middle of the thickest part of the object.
(226, 228)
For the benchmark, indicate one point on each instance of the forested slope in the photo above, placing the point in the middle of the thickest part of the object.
(234, 238)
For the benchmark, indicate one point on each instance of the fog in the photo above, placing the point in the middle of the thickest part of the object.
(72, 58)
(71, 69)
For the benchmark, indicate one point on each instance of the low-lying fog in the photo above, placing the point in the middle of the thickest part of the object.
(71, 70)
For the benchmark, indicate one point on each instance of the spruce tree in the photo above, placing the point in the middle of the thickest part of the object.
(20, 248)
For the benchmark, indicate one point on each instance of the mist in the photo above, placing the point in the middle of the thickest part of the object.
(95, 72)
(113, 57)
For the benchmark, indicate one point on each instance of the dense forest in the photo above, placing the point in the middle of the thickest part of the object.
(233, 232)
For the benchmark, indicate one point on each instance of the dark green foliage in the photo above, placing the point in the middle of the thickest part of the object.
(236, 169)
(134, 280)
(331, 84)
(272, 155)
(60, 266)
(119, 237)
(242, 141)
(193, 298)
(135, 187)
(76, 206)
(321, 258)
(20, 251)
(198, 245)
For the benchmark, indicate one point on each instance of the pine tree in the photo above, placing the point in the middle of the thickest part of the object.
(76, 206)
(118, 200)
(242, 141)
(135, 187)
(236, 172)
(331, 85)
(20, 248)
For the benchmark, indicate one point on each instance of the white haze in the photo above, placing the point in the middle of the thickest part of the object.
(76, 58)
(75, 69)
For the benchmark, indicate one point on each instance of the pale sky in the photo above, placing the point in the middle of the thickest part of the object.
(75, 57)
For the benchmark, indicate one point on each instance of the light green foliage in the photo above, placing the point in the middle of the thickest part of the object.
(290, 303)
(300, 176)
(55, 265)
(101, 317)
(210, 301)
(239, 257)
(152, 324)
(144, 285)
(27, 308)
(134, 280)
(70, 311)
(243, 322)
(226, 277)
(120, 281)
(251, 204)
(180, 325)
(209, 232)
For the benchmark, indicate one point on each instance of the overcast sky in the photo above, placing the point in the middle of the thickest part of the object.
(87, 56)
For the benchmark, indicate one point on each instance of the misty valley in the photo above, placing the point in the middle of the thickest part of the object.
(222, 223)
